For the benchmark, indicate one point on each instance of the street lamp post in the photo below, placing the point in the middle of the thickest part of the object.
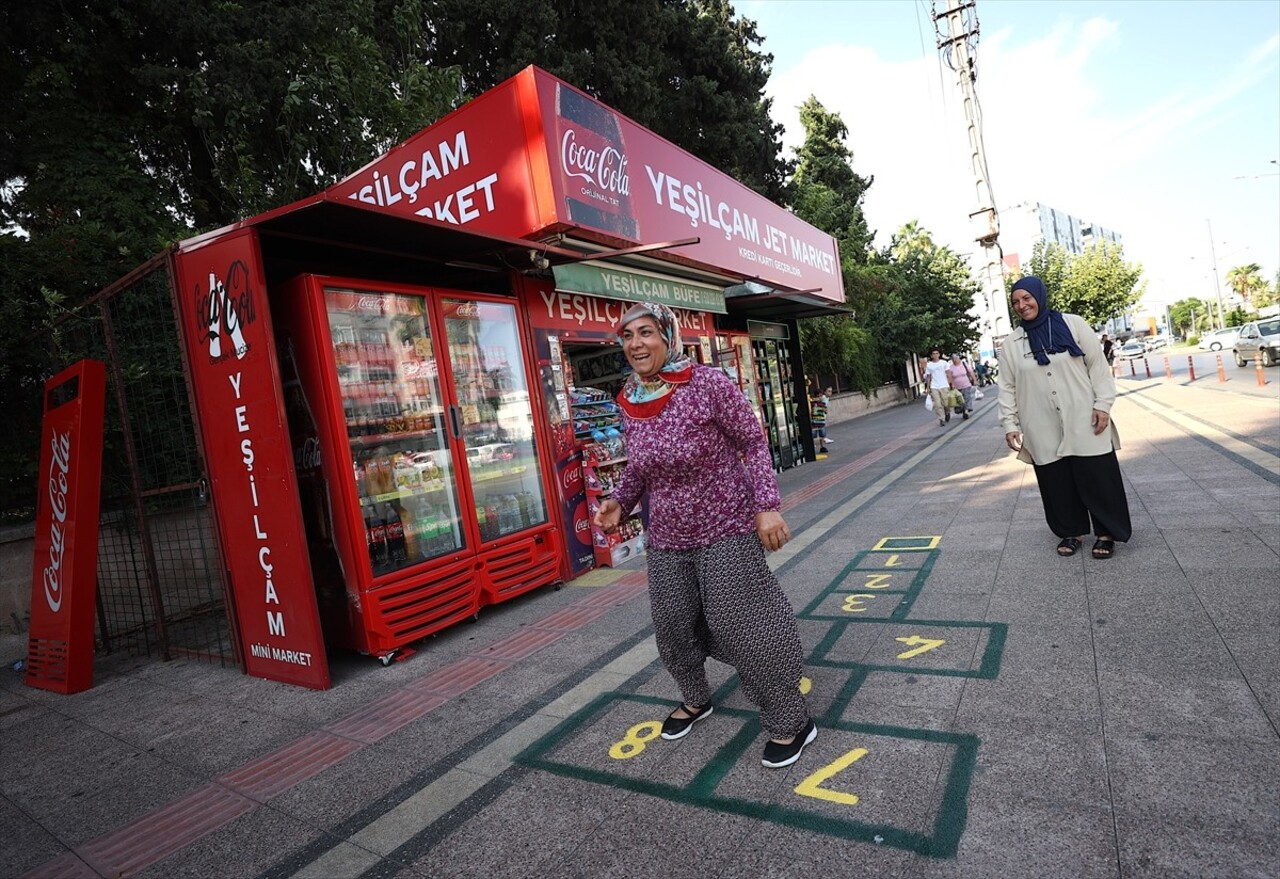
(1217, 287)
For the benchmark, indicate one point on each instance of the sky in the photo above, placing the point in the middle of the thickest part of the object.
(1159, 121)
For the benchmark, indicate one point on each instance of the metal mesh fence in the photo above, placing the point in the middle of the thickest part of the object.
(160, 584)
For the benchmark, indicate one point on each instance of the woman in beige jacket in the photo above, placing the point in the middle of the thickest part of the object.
(1056, 391)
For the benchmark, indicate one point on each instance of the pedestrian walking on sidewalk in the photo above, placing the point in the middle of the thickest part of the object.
(1055, 405)
(963, 380)
(818, 403)
(937, 377)
(695, 448)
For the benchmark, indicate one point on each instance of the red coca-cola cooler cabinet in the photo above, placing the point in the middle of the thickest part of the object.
(428, 451)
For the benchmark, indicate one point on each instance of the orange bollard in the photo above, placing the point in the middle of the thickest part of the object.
(1222, 373)
(1168, 373)
(1257, 365)
(1191, 368)
(1132, 372)
(1147, 364)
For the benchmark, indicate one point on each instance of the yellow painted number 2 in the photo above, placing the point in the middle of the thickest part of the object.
(812, 786)
(633, 742)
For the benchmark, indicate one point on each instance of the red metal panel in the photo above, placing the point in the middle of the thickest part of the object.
(64, 575)
(230, 348)
(469, 169)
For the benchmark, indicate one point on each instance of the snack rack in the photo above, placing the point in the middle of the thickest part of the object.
(602, 465)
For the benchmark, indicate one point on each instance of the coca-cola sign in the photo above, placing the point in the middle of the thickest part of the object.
(602, 165)
(65, 557)
(571, 480)
(675, 195)
(59, 472)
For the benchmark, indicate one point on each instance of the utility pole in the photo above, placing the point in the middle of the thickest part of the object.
(957, 30)
(1217, 287)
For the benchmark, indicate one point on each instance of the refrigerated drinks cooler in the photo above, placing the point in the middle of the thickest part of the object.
(429, 452)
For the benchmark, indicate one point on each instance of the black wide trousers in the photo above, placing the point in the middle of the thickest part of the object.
(1083, 494)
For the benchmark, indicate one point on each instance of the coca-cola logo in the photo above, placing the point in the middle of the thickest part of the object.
(571, 479)
(605, 167)
(468, 310)
(582, 524)
(308, 457)
(371, 304)
(59, 485)
(224, 310)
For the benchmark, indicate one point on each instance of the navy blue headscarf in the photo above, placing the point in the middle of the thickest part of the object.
(1048, 333)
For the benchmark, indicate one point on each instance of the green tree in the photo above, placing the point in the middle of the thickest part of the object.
(1188, 316)
(1246, 281)
(130, 124)
(927, 298)
(828, 194)
(689, 70)
(1097, 285)
(1268, 294)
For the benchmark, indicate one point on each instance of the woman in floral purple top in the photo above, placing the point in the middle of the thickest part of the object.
(695, 447)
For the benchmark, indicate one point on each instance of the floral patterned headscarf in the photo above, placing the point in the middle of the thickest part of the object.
(641, 398)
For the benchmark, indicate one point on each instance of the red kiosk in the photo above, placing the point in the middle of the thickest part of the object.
(387, 375)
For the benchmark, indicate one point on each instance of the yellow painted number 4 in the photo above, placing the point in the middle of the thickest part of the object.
(812, 786)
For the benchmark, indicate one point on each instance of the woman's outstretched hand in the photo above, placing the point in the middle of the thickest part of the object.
(772, 529)
(608, 516)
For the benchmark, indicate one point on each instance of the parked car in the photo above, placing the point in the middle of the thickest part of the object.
(1217, 340)
(1131, 349)
(1262, 337)
(1155, 343)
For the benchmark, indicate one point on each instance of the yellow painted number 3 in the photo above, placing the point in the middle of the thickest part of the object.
(633, 742)
(812, 786)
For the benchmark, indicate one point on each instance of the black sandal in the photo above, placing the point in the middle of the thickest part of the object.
(678, 727)
(1070, 544)
(1103, 548)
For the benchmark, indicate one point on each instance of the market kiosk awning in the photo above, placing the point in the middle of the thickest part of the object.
(535, 160)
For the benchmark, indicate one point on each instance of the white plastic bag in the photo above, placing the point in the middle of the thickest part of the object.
(978, 395)
(928, 403)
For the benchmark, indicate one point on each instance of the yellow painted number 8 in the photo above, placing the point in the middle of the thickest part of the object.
(633, 742)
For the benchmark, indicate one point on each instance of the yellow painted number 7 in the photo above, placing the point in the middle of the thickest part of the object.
(812, 786)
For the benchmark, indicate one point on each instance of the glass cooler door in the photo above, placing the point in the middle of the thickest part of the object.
(495, 415)
(395, 416)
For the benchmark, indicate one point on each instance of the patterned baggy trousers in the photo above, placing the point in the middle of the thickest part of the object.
(722, 601)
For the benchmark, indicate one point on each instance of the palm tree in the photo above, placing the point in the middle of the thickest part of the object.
(1246, 280)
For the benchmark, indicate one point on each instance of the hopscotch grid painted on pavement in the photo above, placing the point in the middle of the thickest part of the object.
(827, 798)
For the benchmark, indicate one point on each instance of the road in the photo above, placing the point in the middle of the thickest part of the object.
(1175, 361)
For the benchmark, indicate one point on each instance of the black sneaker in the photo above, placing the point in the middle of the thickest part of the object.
(678, 727)
(777, 755)
(948, 414)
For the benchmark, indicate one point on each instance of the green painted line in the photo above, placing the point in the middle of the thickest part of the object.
(988, 667)
(941, 842)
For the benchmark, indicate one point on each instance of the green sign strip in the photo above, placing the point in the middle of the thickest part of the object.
(638, 287)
